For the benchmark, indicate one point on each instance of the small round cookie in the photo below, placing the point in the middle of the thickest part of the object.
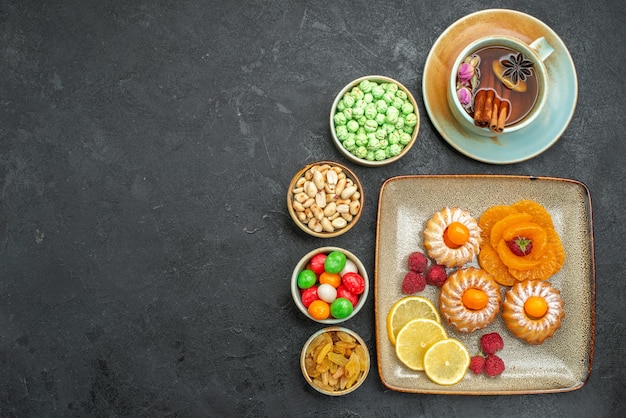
(470, 299)
(452, 237)
(533, 310)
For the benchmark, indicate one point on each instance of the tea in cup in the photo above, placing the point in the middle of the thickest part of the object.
(499, 84)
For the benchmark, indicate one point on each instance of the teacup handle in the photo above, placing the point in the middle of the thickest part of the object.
(542, 48)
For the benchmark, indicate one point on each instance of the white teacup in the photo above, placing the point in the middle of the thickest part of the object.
(537, 52)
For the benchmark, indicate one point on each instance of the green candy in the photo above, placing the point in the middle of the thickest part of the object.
(397, 103)
(357, 93)
(373, 144)
(306, 279)
(399, 123)
(405, 138)
(335, 262)
(381, 134)
(407, 108)
(381, 106)
(370, 111)
(389, 127)
(342, 132)
(349, 144)
(361, 152)
(401, 94)
(410, 119)
(370, 126)
(341, 308)
(394, 149)
(352, 126)
(393, 138)
(388, 98)
(375, 121)
(378, 92)
(361, 139)
(392, 88)
(392, 115)
(366, 86)
(340, 119)
(348, 100)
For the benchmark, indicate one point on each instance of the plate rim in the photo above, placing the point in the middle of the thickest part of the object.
(455, 127)
(380, 335)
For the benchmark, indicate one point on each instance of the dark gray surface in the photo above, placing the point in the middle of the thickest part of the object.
(145, 153)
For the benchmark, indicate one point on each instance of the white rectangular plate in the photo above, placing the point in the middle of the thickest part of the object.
(562, 363)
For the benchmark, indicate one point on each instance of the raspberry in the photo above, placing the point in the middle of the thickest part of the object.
(490, 343)
(418, 262)
(436, 275)
(477, 364)
(413, 282)
(494, 365)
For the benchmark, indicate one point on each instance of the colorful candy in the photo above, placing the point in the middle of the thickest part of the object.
(335, 262)
(306, 279)
(330, 286)
(327, 293)
(317, 263)
(341, 308)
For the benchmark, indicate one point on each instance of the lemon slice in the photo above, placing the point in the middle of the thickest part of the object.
(446, 362)
(406, 309)
(415, 338)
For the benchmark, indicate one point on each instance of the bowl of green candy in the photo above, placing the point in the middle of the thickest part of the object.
(374, 120)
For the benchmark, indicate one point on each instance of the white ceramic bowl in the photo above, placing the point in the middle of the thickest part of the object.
(327, 391)
(302, 264)
(339, 144)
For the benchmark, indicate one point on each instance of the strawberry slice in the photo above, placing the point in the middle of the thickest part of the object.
(520, 246)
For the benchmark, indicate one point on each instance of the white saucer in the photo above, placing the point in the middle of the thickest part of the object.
(505, 148)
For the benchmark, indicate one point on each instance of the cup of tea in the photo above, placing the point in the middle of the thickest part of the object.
(499, 84)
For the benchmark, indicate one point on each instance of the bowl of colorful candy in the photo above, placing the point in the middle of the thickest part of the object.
(335, 361)
(329, 285)
(325, 199)
(374, 120)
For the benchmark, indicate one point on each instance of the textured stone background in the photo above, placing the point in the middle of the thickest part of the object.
(145, 152)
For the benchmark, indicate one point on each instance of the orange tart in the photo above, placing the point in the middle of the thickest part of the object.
(533, 310)
(452, 237)
(470, 299)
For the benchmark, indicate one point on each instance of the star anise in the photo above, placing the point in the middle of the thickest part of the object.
(516, 67)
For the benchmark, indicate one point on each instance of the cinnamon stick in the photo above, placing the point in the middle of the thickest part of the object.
(488, 107)
(479, 104)
(493, 124)
(504, 109)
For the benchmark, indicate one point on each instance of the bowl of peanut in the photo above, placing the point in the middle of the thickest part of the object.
(335, 361)
(325, 199)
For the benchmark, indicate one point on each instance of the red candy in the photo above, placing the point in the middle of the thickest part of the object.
(309, 295)
(342, 292)
(353, 282)
(317, 263)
